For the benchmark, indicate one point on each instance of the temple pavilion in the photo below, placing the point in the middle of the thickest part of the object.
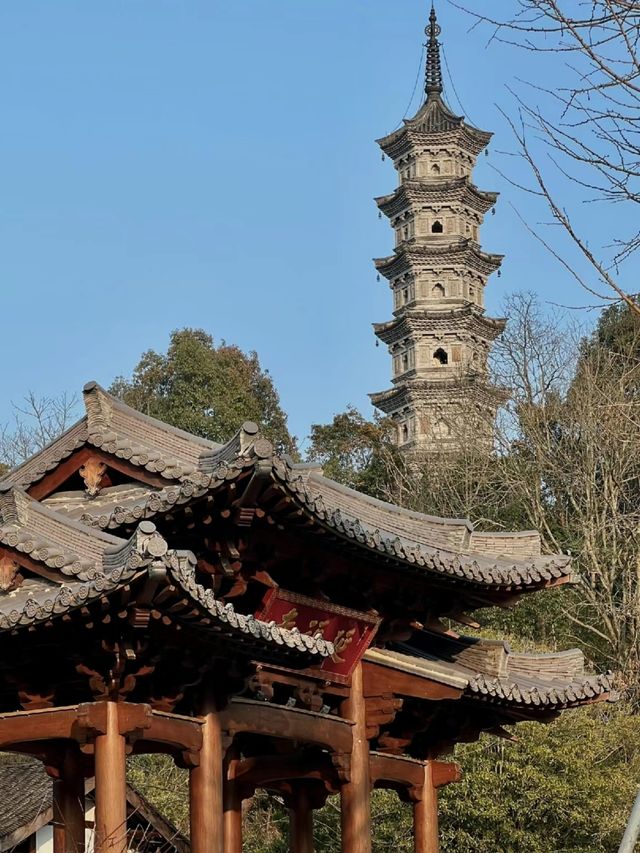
(261, 624)
(440, 337)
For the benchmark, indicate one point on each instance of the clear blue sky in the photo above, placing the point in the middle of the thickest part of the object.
(169, 163)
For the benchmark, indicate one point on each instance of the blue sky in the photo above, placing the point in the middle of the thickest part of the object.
(169, 163)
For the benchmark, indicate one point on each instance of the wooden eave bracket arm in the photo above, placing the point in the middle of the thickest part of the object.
(445, 773)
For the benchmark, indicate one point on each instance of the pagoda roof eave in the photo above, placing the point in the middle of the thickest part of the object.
(458, 189)
(434, 119)
(391, 399)
(467, 252)
(399, 327)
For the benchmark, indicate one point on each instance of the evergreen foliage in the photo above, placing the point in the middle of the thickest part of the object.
(206, 389)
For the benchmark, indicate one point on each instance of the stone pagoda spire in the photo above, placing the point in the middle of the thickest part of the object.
(440, 337)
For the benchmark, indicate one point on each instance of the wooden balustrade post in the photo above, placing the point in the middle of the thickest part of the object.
(206, 786)
(111, 786)
(425, 815)
(300, 821)
(355, 795)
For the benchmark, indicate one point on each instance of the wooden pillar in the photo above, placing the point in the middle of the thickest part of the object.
(355, 795)
(111, 786)
(68, 804)
(232, 818)
(425, 815)
(206, 787)
(300, 821)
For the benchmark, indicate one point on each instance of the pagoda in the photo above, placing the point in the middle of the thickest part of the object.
(440, 337)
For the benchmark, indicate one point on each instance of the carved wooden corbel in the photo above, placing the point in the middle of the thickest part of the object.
(92, 473)
(10, 577)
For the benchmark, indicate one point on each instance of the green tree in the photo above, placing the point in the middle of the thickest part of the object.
(206, 389)
(356, 452)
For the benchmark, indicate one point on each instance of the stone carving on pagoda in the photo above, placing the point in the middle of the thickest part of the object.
(439, 338)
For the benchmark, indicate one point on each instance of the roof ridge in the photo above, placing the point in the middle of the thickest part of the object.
(99, 404)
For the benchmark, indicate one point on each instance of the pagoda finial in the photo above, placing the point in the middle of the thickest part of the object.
(433, 78)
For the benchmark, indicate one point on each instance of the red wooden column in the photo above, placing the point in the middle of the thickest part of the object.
(232, 806)
(111, 790)
(425, 815)
(68, 803)
(300, 821)
(206, 786)
(355, 794)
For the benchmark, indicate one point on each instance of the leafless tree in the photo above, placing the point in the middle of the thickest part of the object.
(36, 421)
(584, 133)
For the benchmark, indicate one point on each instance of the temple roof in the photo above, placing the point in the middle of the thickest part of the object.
(490, 671)
(437, 547)
(112, 426)
(457, 190)
(466, 319)
(70, 524)
(53, 565)
(460, 252)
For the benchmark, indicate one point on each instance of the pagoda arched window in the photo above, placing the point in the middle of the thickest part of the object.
(437, 227)
(435, 169)
(405, 361)
(441, 429)
(404, 433)
(438, 291)
(440, 356)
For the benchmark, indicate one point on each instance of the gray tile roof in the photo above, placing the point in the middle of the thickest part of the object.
(88, 563)
(488, 670)
(449, 548)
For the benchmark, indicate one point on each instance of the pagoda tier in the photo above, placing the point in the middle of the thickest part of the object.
(459, 192)
(438, 275)
(451, 410)
(435, 122)
(455, 255)
(260, 623)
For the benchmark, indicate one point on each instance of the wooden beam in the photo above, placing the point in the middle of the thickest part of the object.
(355, 794)
(246, 715)
(380, 680)
(206, 786)
(261, 771)
(111, 786)
(396, 771)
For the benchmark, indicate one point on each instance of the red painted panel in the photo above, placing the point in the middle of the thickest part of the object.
(350, 631)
